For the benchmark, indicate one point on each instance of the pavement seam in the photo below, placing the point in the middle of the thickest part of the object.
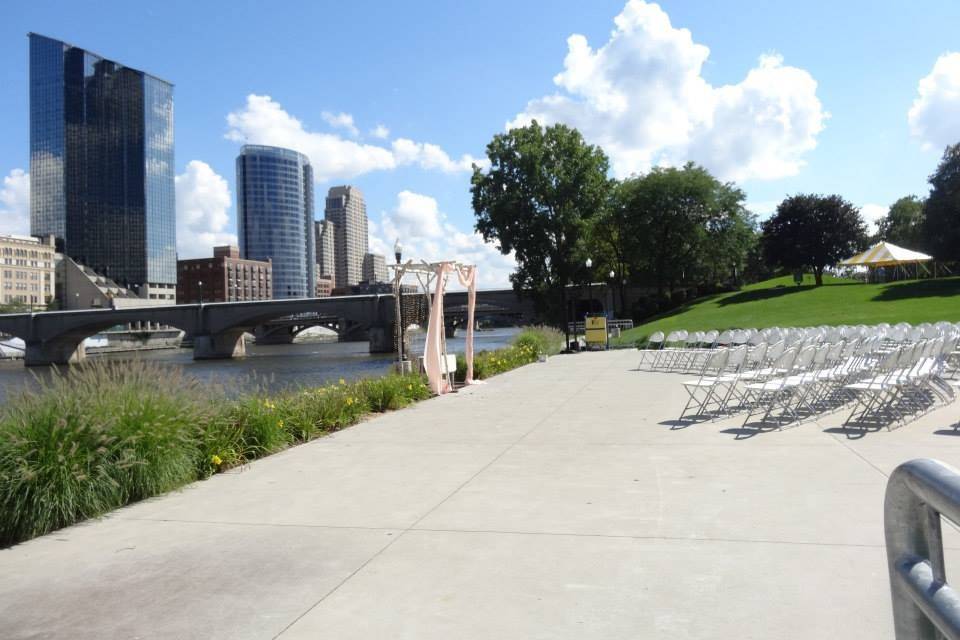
(434, 508)
(603, 536)
(262, 524)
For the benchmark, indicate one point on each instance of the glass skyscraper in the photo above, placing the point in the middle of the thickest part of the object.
(275, 216)
(101, 165)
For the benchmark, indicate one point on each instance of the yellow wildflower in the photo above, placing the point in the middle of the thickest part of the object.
(349, 401)
(280, 423)
(215, 459)
(342, 381)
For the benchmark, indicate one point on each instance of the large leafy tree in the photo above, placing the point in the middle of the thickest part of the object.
(535, 200)
(941, 226)
(813, 231)
(903, 224)
(688, 225)
(612, 243)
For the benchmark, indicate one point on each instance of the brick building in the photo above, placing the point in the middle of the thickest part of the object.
(226, 277)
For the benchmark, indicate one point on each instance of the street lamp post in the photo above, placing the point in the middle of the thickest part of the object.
(613, 302)
(589, 264)
(400, 329)
(76, 300)
(200, 287)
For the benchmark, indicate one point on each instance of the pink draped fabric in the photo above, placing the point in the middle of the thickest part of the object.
(433, 356)
(433, 350)
(468, 278)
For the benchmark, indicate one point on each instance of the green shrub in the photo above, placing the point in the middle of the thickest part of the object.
(106, 434)
(260, 424)
(542, 339)
(394, 391)
(94, 439)
(527, 347)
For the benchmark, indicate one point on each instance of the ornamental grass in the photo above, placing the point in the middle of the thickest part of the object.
(107, 434)
(528, 346)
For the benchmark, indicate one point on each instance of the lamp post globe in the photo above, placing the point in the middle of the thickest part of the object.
(398, 250)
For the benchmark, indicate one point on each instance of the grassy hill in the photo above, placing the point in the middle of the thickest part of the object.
(779, 302)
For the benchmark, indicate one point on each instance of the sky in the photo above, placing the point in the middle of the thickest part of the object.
(400, 99)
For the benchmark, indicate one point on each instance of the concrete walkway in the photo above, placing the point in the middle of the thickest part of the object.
(548, 503)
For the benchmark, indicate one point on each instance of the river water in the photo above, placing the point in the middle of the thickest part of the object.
(271, 367)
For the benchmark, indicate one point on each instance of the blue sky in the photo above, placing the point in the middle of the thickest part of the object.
(783, 98)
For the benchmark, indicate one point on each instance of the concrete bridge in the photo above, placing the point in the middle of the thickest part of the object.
(56, 337)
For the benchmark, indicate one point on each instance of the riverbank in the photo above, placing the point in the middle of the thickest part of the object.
(266, 368)
(108, 433)
(555, 500)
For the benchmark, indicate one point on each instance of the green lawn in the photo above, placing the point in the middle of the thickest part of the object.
(779, 302)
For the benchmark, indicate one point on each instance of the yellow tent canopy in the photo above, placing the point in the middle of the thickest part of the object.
(885, 254)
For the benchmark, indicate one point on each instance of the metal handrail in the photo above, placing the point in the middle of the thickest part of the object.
(623, 325)
(919, 492)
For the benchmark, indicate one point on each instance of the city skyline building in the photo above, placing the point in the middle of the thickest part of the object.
(346, 209)
(374, 268)
(27, 267)
(325, 240)
(102, 165)
(275, 216)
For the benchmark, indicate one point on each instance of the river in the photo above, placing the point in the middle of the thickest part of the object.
(272, 367)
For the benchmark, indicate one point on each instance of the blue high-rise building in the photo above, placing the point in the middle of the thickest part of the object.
(275, 216)
(101, 165)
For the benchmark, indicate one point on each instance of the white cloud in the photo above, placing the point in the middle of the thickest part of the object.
(426, 234)
(264, 121)
(934, 117)
(340, 121)
(203, 198)
(763, 208)
(15, 203)
(642, 97)
(872, 214)
(430, 156)
(380, 131)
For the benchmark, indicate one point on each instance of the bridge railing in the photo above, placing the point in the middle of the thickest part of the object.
(919, 492)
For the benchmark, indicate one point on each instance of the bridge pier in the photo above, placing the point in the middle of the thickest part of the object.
(57, 351)
(220, 346)
(382, 339)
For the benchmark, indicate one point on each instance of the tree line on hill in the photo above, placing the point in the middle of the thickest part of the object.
(547, 198)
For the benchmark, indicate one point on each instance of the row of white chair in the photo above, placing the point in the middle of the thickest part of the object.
(684, 351)
(786, 383)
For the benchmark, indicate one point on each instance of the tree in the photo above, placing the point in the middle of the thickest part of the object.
(813, 231)
(903, 224)
(611, 242)
(543, 186)
(941, 226)
(689, 226)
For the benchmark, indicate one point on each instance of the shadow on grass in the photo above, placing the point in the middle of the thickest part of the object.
(940, 288)
(775, 292)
